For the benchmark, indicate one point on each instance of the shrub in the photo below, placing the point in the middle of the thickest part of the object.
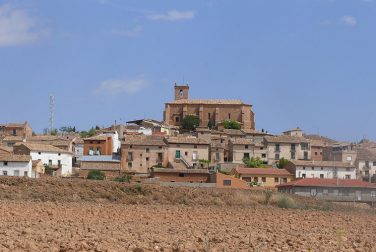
(190, 122)
(253, 162)
(285, 203)
(268, 196)
(96, 175)
(282, 163)
(232, 124)
(125, 178)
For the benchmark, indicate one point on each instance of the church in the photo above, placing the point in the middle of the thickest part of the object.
(213, 111)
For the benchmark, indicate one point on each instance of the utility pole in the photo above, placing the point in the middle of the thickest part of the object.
(52, 113)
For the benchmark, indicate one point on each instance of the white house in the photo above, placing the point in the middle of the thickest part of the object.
(16, 166)
(58, 159)
(321, 169)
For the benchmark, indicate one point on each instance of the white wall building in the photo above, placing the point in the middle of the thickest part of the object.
(56, 158)
(321, 169)
(16, 166)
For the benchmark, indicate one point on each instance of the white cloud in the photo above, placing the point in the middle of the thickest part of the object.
(349, 20)
(17, 27)
(113, 87)
(131, 33)
(173, 15)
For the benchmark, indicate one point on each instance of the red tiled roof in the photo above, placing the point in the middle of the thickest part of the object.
(263, 171)
(316, 182)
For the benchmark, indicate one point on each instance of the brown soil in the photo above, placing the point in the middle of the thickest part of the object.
(75, 215)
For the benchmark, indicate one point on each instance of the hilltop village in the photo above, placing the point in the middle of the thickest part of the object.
(199, 143)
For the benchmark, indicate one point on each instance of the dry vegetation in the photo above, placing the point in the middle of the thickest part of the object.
(79, 215)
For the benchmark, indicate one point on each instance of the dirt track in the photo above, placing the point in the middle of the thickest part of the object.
(103, 225)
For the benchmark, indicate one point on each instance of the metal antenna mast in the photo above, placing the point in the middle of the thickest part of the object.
(52, 113)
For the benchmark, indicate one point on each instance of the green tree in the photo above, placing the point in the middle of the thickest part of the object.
(232, 124)
(96, 175)
(282, 163)
(67, 129)
(190, 122)
(90, 133)
(253, 162)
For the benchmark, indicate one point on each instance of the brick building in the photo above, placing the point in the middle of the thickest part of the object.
(214, 111)
(98, 145)
(16, 129)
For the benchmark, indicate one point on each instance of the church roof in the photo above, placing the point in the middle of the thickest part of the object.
(209, 102)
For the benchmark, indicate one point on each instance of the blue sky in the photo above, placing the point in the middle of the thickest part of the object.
(306, 63)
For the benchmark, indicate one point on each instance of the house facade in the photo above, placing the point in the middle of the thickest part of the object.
(243, 148)
(321, 169)
(16, 129)
(366, 163)
(140, 153)
(16, 166)
(98, 145)
(213, 111)
(288, 147)
(266, 177)
(185, 152)
(57, 159)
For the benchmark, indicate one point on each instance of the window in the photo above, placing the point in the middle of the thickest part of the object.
(209, 116)
(5, 173)
(181, 93)
(159, 147)
(373, 194)
(263, 179)
(58, 162)
(60, 153)
(16, 173)
(293, 147)
(177, 119)
(186, 153)
(147, 159)
(182, 175)
(141, 155)
(217, 156)
(348, 177)
(130, 156)
(292, 155)
(25, 173)
(263, 155)
(227, 182)
(305, 155)
(195, 146)
(313, 168)
(284, 180)
(246, 156)
(374, 163)
(315, 153)
(5, 163)
(303, 176)
(321, 175)
(50, 162)
(14, 132)
(147, 150)
(246, 146)
(349, 158)
(39, 153)
(347, 169)
(277, 148)
(303, 167)
(322, 168)
(276, 180)
(129, 165)
(91, 142)
(229, 116)
(277, 156)
(130, 146)
(255, 179)
(325, 191)
(261, 148)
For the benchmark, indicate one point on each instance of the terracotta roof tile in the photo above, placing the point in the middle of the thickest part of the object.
(286, 139)
(144, 140)
(322, 163)
(42, 147)
(316, 182)
(263, 171)
(209, 102)
(168, 170)
(15, 158)
(187, 140)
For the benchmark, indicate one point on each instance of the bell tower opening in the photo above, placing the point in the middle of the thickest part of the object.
(181, 92)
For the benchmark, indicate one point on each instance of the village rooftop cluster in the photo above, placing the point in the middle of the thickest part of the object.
(199, 143)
